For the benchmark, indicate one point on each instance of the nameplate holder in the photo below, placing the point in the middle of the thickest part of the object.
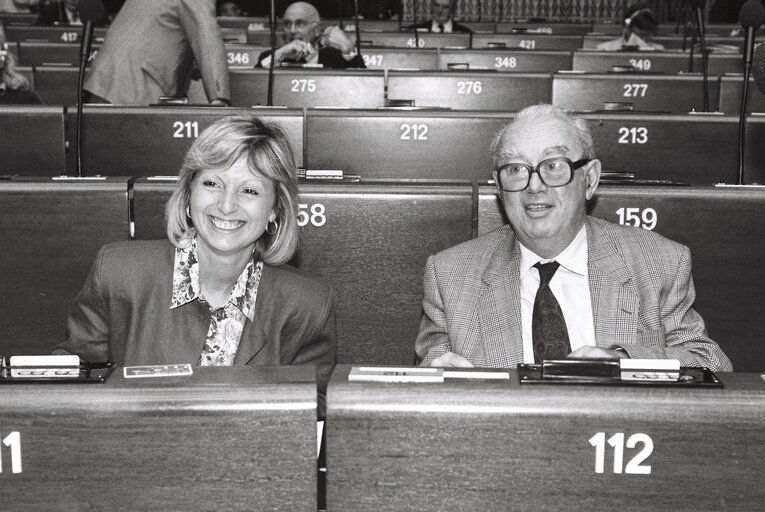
(395, 374)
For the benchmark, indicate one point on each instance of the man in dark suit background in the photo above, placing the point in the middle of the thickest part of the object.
(59, 12)
(443, 18)
(307, 42)
(618, 291)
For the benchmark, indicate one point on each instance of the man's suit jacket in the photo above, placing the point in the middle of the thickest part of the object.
(427, 25)
(641, 290)
(122, 314)
(52, 13)
(150, 49)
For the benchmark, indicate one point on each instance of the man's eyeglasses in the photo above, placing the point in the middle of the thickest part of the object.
(553, 172)
(297, 25)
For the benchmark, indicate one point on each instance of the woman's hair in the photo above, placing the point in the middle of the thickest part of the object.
(269, 153)
(8, 74)
(577, 126)
(641, 17)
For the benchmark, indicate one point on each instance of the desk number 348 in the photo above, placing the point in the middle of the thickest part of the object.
(635, 465)
(13, 440)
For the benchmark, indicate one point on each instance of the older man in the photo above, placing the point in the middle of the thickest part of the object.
(555, 282)
(442, 18)
(309, 43)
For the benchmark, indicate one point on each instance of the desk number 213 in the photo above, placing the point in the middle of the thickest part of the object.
(635, 465)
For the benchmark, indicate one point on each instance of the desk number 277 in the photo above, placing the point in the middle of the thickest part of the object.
(13, 440)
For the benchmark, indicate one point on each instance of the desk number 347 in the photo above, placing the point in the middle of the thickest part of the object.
(13, 440)
(635, 465)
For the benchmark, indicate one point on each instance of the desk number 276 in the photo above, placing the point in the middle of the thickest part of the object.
(13, 440)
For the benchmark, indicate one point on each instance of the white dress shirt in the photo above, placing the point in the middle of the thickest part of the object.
(447, 26)
(571, 287)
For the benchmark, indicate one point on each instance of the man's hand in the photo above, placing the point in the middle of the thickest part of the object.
(334, 37)
(294, 50)
(590, 352)
(451, 360)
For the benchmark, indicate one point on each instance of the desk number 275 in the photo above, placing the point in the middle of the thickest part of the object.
(13, 440)
(635, 465)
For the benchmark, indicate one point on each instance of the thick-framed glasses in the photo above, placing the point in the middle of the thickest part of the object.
(553, 172)
(296, 25)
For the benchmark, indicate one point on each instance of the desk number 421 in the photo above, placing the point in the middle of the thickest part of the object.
(635, 465)
(13, 440)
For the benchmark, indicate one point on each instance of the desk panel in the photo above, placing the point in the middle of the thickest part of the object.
(655, 62)
(51, 232)
(147, 141)
(730, 95)
(533, 28)
(696, 149)
(52, 34)
(528, 41)
(721, 227)
(678, 94)
(400, 58)
(422, 39)
(51, 54)
(497, 445)
(676, 42)
(403, 144)
(57, 85)
(527, 61)
(754, 161)
(32, 140)
(244, 56)
(309, 87)
(370, 241)
(221, 439)
(471, 90)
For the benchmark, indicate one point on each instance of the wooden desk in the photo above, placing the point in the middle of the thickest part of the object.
(721, 226)
(237, 438)
(506, 59)
(32, 140)
(494, 445)
(655, 62)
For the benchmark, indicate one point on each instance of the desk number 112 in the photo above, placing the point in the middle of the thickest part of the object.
(14, 441)
(635, 465)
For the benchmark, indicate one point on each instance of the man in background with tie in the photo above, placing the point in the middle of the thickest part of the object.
(442, 20)
(556, 282)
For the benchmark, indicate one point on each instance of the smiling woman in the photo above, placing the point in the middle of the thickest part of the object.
(219, 292)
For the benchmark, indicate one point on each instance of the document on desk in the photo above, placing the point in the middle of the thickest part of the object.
(158, 370)
(396, 374)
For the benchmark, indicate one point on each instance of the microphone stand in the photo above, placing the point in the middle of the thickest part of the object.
(704, 59)
(87, 37)
(742, 115)
(358, 30)
(272, 24)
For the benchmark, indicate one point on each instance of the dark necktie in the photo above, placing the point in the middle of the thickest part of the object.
(548, 327)
(441, 27)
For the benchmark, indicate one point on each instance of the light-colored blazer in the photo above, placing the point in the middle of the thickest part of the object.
(641, 290)
(150, 49)
(122, 314)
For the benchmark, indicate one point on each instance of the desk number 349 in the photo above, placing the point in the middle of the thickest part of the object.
(635, 465)
(13, 440)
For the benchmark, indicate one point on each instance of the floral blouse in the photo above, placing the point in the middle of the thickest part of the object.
(227, 321)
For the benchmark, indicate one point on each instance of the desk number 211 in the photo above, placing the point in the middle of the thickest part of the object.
(14, 441)
(635, 465)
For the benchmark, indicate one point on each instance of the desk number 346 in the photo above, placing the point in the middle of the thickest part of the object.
(635, 465)
(13, 440)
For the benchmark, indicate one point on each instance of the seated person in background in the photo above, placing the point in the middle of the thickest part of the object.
(229, 8)
(150, 49)
(442, 20)
(219, 292)
(639, 24)
(19, 5)
(59, 12)
(309, 43)
(618, 291)
(14, 87)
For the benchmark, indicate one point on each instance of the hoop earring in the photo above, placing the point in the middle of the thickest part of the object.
(188, 211)
(272, 227)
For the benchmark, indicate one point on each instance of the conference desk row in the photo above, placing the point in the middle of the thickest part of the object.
(243, 438)
(373, 143)
(370, 241)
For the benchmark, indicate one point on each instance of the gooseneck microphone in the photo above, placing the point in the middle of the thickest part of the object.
(90, 12)
(751, 17)
(272, 24)
(698, 6)
(358, 30)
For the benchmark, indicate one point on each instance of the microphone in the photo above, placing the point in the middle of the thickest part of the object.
(758, 67)
(751, 16)
(698, 6)
(358, 30)
(90, 12)
(272, 24)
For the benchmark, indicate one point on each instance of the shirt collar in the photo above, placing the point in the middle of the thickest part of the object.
(186, 281)
(572, 258)
(447, 26)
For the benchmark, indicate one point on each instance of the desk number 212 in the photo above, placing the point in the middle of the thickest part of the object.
(635, 465)
(14, 441)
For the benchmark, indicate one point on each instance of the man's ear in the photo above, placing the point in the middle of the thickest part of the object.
(592, 178)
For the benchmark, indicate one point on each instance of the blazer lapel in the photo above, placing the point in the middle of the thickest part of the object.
(612, 291)
(499, 305)
(253, 345)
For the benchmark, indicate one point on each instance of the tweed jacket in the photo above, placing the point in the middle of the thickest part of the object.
(122, 314)
(150, 49)
(641, 290)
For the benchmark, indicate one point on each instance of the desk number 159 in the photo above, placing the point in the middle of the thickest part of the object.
(13, 440)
